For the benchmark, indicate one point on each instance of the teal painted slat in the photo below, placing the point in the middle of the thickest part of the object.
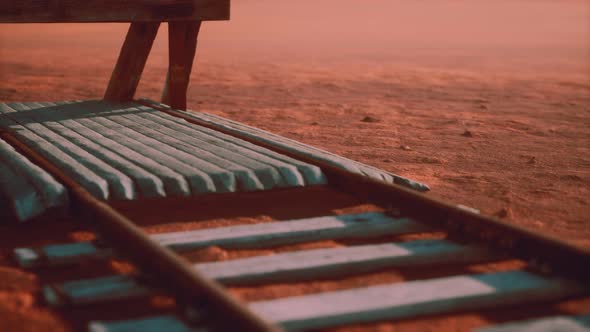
(369, 224)
(338, 262)
(150, 324)
(548, 324)
(415, 298)
(95, 290)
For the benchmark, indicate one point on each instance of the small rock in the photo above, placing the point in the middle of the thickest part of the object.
(387, 160)
(483, 107)
(467, 133)
(504, 213)
(405, 147)
(429, 160)
(208, 254)
(369, 119)
(315, 123)
(532, 160)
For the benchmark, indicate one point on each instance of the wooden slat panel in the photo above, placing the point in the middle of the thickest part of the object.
(288, 232)
(549, 324)
(151, 324)
(295, 147)
(249, 236)
(75, 169)
(146, 183)
(132, 58)
(119, 185)
(46, 11)
(246, 178)
(174, 183)
(312, 174)
(198, 155)
(416, 298)
(270, 172)
(142, 154)
(198, 181)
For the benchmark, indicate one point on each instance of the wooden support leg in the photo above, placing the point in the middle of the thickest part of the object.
(131, 62)
(182, 47)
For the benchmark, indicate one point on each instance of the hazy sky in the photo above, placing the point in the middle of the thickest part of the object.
(372, 28)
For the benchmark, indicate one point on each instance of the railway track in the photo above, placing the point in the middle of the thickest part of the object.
(348, 252)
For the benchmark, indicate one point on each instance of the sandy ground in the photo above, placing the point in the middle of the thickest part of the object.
(488, 102)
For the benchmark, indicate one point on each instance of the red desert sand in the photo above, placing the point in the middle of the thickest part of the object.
(487, 102)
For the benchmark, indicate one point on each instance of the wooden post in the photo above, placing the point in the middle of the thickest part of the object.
(132, 59)
(182, 47)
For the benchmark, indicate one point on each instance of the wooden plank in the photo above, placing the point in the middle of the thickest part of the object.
(293, 146)
(174, 183)
(415, 298)
(340, 262)
(182, 41)
(28, 189)
(198, 181)
(71, 166)
(291, 169)
(134, 53)
(201, 175)
(35, 11)
(247, 180)
(145, 183)
(59, 254)
(370, 224)
(119, 185)
(549, 324)
(222, 171)
(152, 324)
(292, 266)
(95, 290)
(227, 156)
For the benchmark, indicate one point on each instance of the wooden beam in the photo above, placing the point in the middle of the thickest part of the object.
(46, 11)
(132, 59)
(411, 299)
(182, 47)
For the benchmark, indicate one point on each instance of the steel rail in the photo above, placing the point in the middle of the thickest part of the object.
(545, 252)
(158, 262)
